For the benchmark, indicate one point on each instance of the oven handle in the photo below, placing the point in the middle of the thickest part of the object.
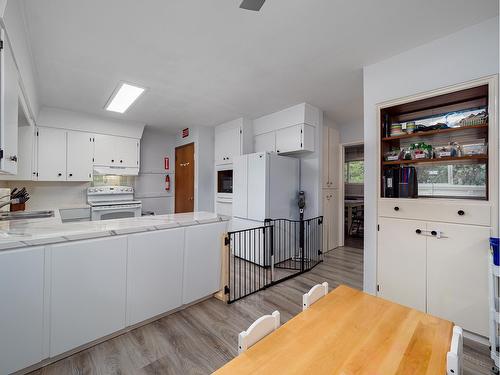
(96, 209)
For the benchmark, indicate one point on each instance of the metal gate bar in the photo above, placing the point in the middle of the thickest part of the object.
(264, 256)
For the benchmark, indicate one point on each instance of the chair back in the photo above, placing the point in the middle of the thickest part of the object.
(258, 330)
(454, 357)
(316, 292)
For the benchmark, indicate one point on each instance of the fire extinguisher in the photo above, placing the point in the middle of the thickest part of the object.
(167, 182)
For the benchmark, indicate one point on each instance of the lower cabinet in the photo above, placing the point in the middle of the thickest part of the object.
(202, 261)
(457, 275)
(438, 268)
(88, 291)
(21, 308)
(154, 273)
(330, 219)
(402, 262)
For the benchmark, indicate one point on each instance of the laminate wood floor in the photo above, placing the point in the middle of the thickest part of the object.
(203, 337)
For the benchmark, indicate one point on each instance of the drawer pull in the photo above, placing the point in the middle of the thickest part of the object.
(418, 231)
(461, 212)
(434, 233)
(396, 208)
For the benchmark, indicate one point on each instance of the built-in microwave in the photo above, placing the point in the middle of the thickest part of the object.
(225, 182)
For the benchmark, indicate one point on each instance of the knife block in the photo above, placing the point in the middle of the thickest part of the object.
(17, 207)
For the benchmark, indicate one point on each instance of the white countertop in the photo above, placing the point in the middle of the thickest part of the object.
(22, 233)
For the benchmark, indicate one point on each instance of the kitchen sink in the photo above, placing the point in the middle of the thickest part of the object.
(20, 215)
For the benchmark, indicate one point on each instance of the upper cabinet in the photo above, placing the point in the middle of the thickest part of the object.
(9, 107)
(331, 142)
(63, 155)
(297, 138)
(232, 139)
(116, 152)
(289, 131)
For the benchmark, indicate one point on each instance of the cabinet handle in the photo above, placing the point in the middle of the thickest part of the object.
(112, 160)
(70, 175)
(396, 208)
(461, 212)
(434, 233)
(13, 158)
(418, 231)
(59, 174)
(121, 161)
(278, 151)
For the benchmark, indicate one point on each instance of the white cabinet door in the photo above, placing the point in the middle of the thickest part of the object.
(240, 187)
(330, 214)
(51, 149)
(227, 145)
(127, 152)
(202, 261)
(21, 308)
(288, 139)
(265, 142)
(333, 157)
(457, 273)
(9, 104)
(116, 151)
(325, 176)
(87, 299)
(104, 149)
(402, 262)
(80, 150)
(154, 273)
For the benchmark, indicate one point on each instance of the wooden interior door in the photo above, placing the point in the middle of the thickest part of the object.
(184, 178)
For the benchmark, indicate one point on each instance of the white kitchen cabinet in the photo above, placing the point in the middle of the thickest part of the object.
(51, 150)
(402, 261)
(88, 291)
(297, 138)
(265, 142)
(9, 100)
(233, 138)
(330, 219)
(331, 166)
(457, 274)
(80, 151)
(115, 151)
(21, 308)
(202, 261)
(154, 273)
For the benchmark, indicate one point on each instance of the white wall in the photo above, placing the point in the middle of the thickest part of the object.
(16, 26)
(60, 118)
(204, 173)
(311, 162)
(351, 133)
(468, 54)
(150, 183)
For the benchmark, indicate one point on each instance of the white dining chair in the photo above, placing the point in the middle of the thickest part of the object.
(258, 330)
(316, 292)
(454, 357)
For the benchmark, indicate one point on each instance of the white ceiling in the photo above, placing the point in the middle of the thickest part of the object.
(207, 61)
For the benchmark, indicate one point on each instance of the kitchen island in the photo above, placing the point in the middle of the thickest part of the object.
(66, 286)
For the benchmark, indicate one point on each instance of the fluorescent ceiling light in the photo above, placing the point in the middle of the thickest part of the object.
(123, 98)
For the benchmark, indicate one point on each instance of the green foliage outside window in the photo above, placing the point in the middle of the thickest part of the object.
(354, 172)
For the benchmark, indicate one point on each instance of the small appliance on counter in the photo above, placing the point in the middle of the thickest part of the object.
(112, 202)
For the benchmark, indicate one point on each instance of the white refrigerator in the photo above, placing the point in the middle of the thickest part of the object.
(265, 186)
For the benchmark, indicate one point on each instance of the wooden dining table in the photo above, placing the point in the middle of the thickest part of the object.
(349, 332)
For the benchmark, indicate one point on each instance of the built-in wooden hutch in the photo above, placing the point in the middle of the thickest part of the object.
(441, 149)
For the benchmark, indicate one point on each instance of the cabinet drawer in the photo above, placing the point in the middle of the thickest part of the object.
(466, 212)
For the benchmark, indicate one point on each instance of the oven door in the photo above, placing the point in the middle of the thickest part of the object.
(225, 182)
(115, 212)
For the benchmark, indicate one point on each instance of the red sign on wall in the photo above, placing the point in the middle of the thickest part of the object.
(185, 133)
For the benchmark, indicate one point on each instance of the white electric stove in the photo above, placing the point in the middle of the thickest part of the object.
(112, 202)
